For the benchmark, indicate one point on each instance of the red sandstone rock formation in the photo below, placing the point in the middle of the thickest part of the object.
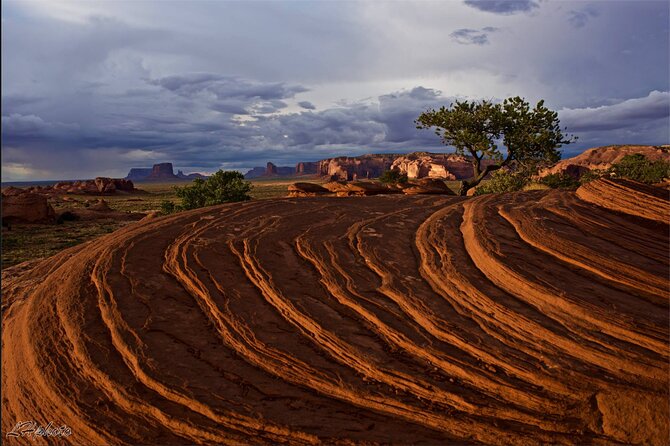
(306, 168)
(602, 158)
(355, 168)
(446, 166)
(507, 319)
(26, 208)
(162, 170)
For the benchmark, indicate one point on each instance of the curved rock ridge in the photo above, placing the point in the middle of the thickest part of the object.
(602, 158)
(528, 318)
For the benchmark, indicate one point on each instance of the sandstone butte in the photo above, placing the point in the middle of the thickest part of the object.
(528, 318)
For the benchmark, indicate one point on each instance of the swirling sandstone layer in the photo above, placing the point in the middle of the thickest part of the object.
(528, 318)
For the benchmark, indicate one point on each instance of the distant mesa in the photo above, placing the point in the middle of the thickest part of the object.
(417, 165)
(160, 171)
(445, 166)
(270, 170)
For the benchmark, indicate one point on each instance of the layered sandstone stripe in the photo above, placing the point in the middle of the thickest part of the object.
(536, 317)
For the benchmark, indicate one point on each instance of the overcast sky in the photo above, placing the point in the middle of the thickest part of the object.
(94, 88)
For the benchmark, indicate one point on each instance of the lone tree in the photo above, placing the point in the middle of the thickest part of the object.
(529, 136)
(221, 187)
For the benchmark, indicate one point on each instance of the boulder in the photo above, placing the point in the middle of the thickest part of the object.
(27, 208)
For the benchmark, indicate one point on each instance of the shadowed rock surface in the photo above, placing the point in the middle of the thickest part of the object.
(528, 318)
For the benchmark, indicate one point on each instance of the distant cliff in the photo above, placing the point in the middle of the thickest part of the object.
(160, 171)
(447, 166)
(270, 170)
(138, 173)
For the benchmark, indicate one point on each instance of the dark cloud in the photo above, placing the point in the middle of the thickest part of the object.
(307, 105)
(579, 18)
(503, 6)
(199, 141)
(228, 94)
(625, 114)
(467, 36)
(97, 87)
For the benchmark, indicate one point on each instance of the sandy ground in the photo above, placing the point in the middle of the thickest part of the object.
(536, 317)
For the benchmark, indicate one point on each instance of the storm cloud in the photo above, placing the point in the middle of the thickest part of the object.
(96, 88)
(503, 6)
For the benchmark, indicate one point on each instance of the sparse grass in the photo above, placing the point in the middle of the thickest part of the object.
(28, 242)
(535, 186)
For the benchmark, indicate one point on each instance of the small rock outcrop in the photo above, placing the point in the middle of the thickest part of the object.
(26, 208)
(306, 190)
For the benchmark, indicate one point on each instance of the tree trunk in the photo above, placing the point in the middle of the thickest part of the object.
(463, 190)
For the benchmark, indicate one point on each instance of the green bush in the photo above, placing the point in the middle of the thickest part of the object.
(560, 181)
(594, 174)
(637, 167)
(503, 181)
(221, 187)
(393, 177)
(167, 207)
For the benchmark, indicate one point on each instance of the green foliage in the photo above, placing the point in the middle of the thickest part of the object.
(637, 167)
(221, 187)
(168, 207)
(503, 181)
(393, 177)
(593, 174)
(560, 181)
(529, 135)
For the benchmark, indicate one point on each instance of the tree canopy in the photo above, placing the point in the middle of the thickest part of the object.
(509, 134)
(221, 187)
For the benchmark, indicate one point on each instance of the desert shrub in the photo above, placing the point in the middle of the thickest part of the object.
(221, 187)
(393, 177)
(503, 181)
(66, 216)
(593, 174)
(168, 207)
(637, 167)
(560, 181)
